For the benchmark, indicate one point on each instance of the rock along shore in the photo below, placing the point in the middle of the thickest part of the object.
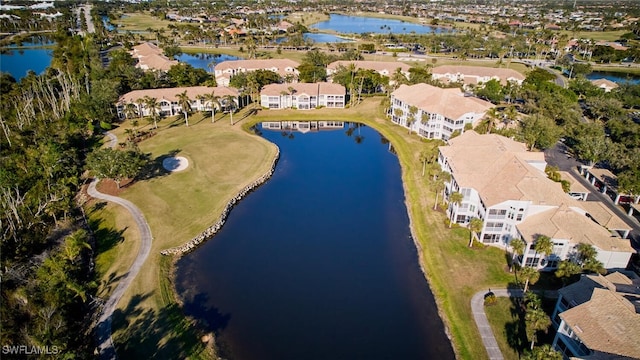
(213, 229)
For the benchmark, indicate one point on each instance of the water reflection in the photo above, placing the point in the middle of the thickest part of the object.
(302, 126)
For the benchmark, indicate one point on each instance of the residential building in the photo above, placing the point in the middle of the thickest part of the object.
(438, 112)
(151, 57)
(604, 84)
(505, 185)
(598, 317)
(168, 101)
(475, 74)
(284, 67)
(303, 96)
(384, 68)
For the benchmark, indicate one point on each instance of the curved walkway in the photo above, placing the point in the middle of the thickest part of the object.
(477, 307)
(103, 331)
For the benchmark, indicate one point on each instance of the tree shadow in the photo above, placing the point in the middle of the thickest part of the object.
(515, 329)
(154, 168)
(106, 238)
(155, 334)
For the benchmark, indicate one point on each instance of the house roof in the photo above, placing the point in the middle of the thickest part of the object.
(603, 215)
(256, 64)
(304, 88)
(500, 169)
(451, 103)
(389, 66)
(580, 292)
(574, 185)
(607, 323)
(170, 94)
(479, 71)
(151, 56)
(564, 222)
(604, 83)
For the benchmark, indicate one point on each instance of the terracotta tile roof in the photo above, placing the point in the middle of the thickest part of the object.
(389, 66)
(151, 57)
(603, 215)
(564, 222)
(608, 323)
(170, 94)
(451, 103)
(604, 83)
(256, 64)
(146, 49)
(575, 186)
(501, 169)
(479, 71)
(304, 88)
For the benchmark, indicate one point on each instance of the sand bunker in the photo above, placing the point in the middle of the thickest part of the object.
(177, 163)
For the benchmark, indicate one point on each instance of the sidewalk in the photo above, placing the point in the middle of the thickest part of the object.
(477, 308)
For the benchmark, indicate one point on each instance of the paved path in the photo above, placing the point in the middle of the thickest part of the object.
(105, 343)
(477, 308)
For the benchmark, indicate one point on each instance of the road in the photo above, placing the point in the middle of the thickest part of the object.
(103, 331)
(557, 156)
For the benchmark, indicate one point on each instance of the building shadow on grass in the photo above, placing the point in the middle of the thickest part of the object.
(154, 168)
(155, 334)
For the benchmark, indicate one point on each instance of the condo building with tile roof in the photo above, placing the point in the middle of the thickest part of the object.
(284, 67)
(151, 57)
(167, 98)
(505, 185)
(303, 96)
(384, 68)
(475, 74)
(598, 317)
(440, 112)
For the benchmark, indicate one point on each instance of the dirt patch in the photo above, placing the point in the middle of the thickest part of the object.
(109, 187)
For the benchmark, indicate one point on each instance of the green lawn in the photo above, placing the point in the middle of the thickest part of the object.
(140, 22)
(509, 331)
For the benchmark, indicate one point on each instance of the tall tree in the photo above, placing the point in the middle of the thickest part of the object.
(455, 199)
(475, 226)
(530, 276)
(536, 320)
(185, 105)
(517, 248)
(214, 102)
(230, 105)
(543, 245)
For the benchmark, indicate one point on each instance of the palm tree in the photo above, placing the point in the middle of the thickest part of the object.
(517, 249)
(530, 276)
(185, 105)
(455, 199)
(140, 102)
(566, 269)
(230, 104)
(411, 117)
(154, 107)
(214, 101)
(130, 110)
(475, 225)
(535, 319)
(543, 352)
(440, 180)
(585, 252)
(398, 113)
(492, 118)
(543, 245)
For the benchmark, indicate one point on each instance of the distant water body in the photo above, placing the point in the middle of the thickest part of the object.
(18, 62)
(617, 78)
(347, 24)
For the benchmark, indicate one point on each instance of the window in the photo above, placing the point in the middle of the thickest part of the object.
(533, 262)
(490, 238)
(519, 217)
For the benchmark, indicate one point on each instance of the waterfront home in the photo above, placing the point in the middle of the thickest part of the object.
(438, 113)
(598, 317)
(303, 96)
(475, 74)
(151, 57)
(505, 185)
(384, 68)
(604, 84)
(169, 103)
(287, 69)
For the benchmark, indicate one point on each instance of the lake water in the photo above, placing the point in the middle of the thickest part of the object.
(359, 24)
(615, 77)
(18, 62)
(318, 263)
(202, 60)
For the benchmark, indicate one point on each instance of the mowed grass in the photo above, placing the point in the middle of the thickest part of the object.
(178, 206)
(140, 22)
(507, 327)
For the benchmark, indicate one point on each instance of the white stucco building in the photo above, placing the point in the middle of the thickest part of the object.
(303, 96)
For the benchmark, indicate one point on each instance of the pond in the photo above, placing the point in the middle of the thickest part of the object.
(618, 78)
(319, 262)
(203, 60)
(18, 62)
(360, 24)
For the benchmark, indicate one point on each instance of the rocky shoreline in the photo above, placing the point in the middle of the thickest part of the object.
(213, 229)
